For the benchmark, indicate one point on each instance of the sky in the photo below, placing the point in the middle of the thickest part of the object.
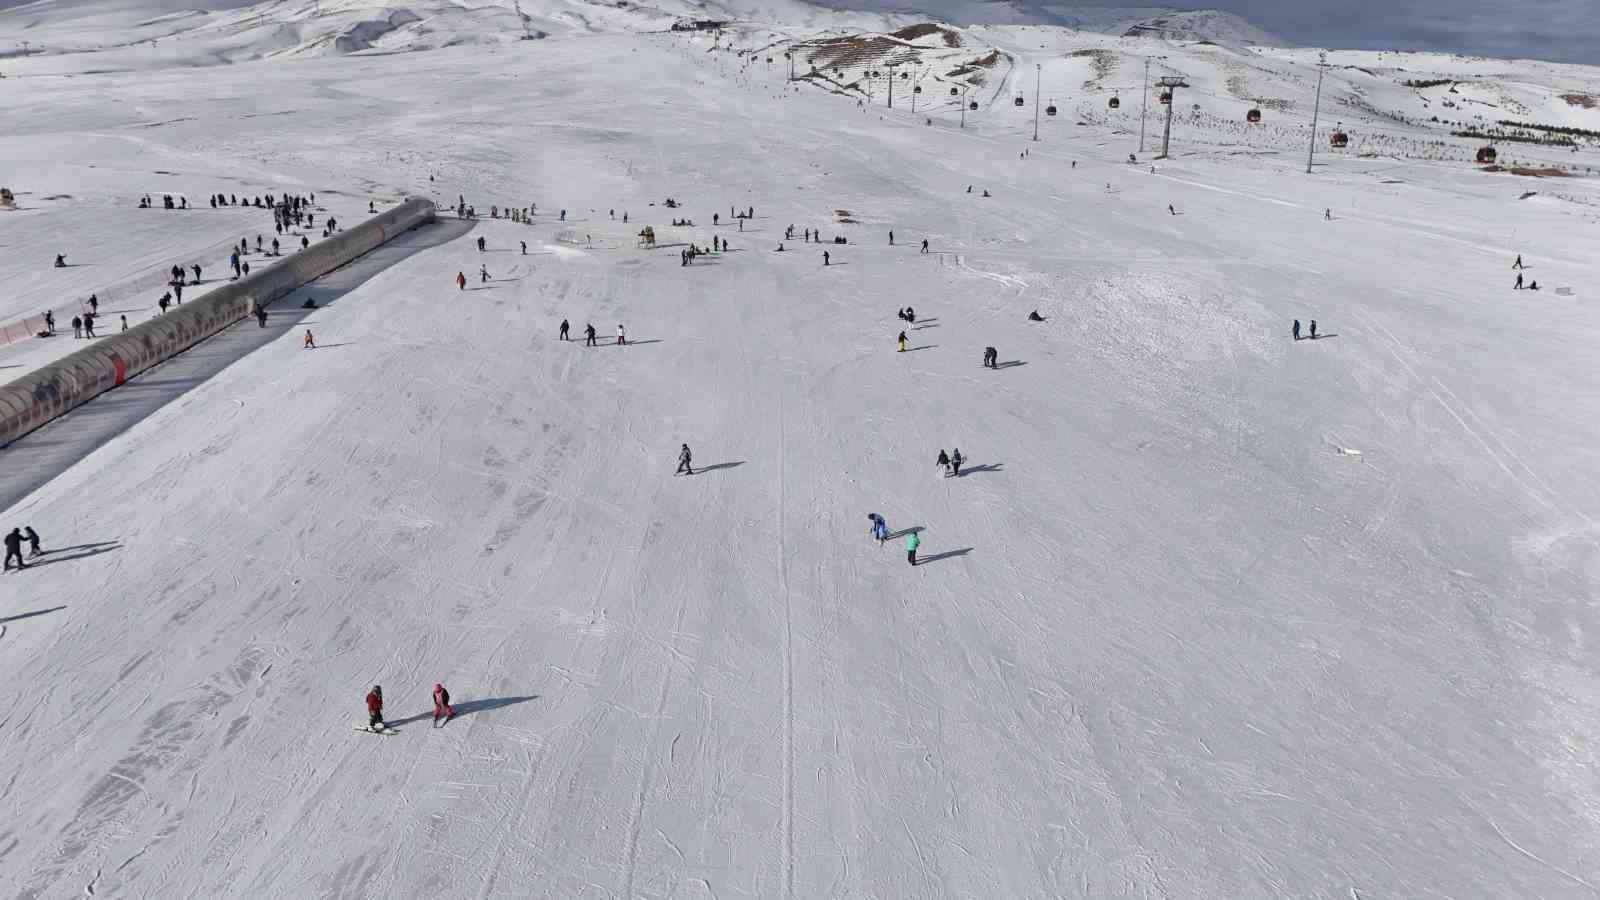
(1561, 30)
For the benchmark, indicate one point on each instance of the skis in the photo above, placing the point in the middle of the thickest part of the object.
(384, 730)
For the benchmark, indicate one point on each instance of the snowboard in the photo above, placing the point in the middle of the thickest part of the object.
(384, 730)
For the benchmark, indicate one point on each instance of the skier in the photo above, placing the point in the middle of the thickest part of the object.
(911, 315)
(441, 704)
(924, 245)
(483, 274)
(196, 274)
(991, 358)
(1327, 215)
(310, 343)
(901, 342)
(304, 242)
(912, 542)
(564, 327)
(1171, 210)
(480, 244)
(955, 463)
(88, 325)
(891, 237)
(94, 304)
(1518, 263)
(461, 281)
(588, 336)
(1518, 285)
(244, 265)
(33, 542)
(524, 247)
(166, 299)
(14, 548)
(275, 247)
(1297, 329)
(77, 326)
(375, 708)
(944, 461)
(1313, 329)
(622, 336)
(177, 288)
(49, 321)
(261, 317)
(880, 528)
(826, 262)
(684, 462)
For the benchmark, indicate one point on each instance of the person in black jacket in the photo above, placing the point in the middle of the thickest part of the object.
(14, 548)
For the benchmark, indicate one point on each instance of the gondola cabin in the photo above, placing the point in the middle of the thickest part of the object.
(1487, 154)
(952, 92)
(1017, 102)
(973, 106)
(1051, 109)
(1113, 103)
(1253, 116)
(1339, 139)
(1166, 97)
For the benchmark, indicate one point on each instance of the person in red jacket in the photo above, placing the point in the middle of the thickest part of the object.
(441, 704)
(375, 708)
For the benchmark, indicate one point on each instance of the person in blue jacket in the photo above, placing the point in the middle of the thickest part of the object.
(880, 528)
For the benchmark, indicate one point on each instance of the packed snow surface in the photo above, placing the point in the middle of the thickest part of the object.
(1209, 613)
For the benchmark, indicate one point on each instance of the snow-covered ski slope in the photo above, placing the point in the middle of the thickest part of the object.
(1211, 614)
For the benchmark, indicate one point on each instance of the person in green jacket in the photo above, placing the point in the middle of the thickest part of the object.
(911, 547)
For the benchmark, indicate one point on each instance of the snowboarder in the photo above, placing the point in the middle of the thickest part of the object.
(441, 704)
(61, 260)
(1297, 329)
(77, 326)
(461, 281)
(880, 528)
(955, 463)
(684, 462)
(588, 336)
(901, 342)
(375, 708)
(912, 542)
(622, 336)
(480, 244)
(1518, 263)
(1518, 285)
(49, 321)
(310, 343)
(991, 358)
(564, 327)
(33, 542)
(826, 262)
(1313, 329)
(944, 461)
(1035, 317)
(924, 245)
(14, 548)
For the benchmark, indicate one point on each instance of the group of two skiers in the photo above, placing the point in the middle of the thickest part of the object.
(441, 707)
(1296, 329)
(589, 334)
(14, 546)
(880, 532)
(951, 463)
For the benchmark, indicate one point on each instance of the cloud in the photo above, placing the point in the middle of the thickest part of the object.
(1561, 30)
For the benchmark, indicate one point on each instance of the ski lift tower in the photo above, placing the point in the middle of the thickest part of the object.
(1169, 87)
